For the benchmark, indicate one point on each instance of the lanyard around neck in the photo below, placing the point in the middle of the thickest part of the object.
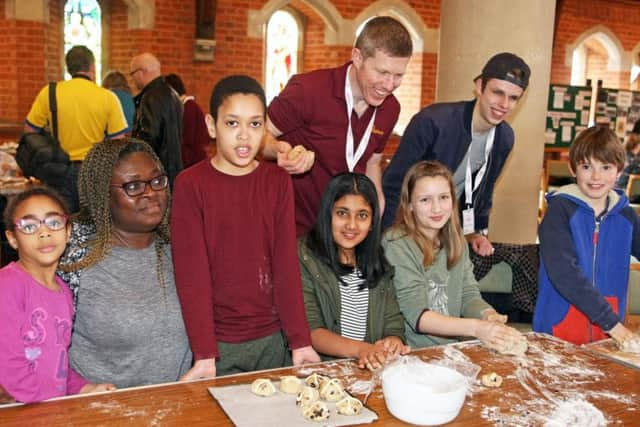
(470, 187)
(353, 158)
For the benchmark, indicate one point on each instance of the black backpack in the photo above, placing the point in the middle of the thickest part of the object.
(39, 153)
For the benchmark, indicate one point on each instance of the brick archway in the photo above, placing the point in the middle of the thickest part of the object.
(608, 39)
(338, 31)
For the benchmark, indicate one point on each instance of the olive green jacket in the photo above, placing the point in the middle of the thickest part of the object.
(452, 292)
(321, 292)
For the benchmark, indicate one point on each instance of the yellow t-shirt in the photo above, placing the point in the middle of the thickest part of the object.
(87, 114)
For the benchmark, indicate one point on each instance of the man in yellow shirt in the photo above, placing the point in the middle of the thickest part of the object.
(87, 114)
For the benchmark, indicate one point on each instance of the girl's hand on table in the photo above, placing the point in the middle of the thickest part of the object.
(371, 356)
(496, 335)
(374, 356)
(394, 347)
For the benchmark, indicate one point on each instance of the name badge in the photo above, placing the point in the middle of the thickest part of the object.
(468, 225)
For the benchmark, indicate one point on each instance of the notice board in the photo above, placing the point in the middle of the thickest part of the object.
(618, 108)
(567, 113)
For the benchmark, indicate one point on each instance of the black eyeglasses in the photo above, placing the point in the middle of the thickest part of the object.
(31, 225)
(134, 71)
(139, 187)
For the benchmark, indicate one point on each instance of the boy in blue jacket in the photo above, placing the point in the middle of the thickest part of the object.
(586, 238)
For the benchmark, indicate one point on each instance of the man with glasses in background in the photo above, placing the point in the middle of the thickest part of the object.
(158, 118)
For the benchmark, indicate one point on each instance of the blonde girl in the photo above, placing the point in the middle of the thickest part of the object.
(437, 291)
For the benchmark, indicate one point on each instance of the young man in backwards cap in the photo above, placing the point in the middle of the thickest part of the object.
(471, 138)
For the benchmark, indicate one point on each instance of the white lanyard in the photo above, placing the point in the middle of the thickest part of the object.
(468, 191)
(352, 158)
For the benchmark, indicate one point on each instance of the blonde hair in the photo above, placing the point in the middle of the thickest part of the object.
(386, 34)
(450, 236)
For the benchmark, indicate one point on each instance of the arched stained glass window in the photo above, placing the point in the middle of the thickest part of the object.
(83, 26)
(283, 34)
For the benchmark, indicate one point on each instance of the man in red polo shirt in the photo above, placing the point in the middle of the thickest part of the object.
(312, 111)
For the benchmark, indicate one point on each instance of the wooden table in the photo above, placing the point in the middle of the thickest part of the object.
(551, 372)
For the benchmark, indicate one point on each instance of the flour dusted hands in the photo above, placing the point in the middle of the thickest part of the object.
(374, 356)
(625, 339)
(499, 337)
(295, 160)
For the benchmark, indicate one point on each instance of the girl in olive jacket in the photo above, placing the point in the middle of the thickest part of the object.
(349, 298)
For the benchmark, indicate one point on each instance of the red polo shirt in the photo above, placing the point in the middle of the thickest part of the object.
(311, 111)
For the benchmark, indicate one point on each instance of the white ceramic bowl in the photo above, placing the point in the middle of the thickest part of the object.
(421, 393)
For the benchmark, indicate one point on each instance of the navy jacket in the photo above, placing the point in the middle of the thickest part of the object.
(584, 270)
(442, 132)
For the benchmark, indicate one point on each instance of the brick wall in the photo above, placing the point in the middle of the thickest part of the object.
(33, 51)
(315, 53)
(597, 70)
(39, 47)
(9, 70)
(621, 17)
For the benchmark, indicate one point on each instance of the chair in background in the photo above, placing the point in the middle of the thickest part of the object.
(632, 320)
(633, 191)
(556, 174)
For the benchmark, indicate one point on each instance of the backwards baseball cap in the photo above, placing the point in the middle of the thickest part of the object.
(509, 67)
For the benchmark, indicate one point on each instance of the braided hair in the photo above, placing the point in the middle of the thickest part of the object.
(93, 187)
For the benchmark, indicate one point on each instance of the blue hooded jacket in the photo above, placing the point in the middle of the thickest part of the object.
(584, 265)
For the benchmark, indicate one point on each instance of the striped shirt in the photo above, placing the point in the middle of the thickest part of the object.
(354, 306)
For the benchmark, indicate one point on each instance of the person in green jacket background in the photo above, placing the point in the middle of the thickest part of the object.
(436, 289)
(349, 297)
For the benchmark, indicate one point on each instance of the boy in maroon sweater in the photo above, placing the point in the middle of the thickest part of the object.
(234, 246)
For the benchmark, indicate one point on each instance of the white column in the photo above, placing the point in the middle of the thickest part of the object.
(471, 31)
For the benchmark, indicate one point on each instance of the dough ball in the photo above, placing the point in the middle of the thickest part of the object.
(295, 152)
(492, 380)
(332, 390)
(315, 380)
(307, 397)
(516, 347)
(349, 406)
(290, 384)
(318, 411)
(263, 387)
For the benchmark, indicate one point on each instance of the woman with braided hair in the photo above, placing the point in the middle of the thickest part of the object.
(128, 325)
